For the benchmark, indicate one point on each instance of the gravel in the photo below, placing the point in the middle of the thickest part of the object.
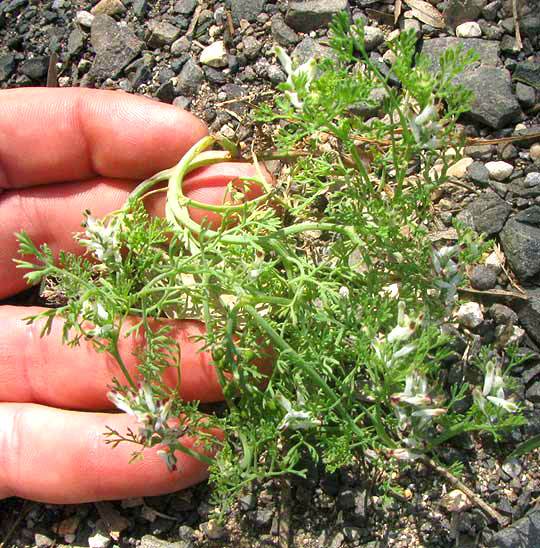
(166, 49)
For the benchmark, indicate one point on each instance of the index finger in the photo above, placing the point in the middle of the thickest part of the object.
(64, 134)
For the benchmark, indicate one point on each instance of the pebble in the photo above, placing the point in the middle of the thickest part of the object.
(373, 37)
(84, 18)
(534, 152)
(499, 170)
(214, 55)
(459, 169)
(213, 530)
(108, 7)
(471, 29)
(483, 277)
(470, 315)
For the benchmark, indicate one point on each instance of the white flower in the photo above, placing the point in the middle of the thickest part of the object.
(404, 351)
(309, 69)
(401, 333)
(101, 239)
(344, 292)
(507, 405)
(296, 420)
(428, 413)
(427, 115)
(120, 402)
(493, 389)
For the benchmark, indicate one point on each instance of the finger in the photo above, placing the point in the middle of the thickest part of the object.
(61, 457)
(51, 214)
(42, 370)
(79, 133)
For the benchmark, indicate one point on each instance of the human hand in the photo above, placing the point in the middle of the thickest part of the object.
(63, 151)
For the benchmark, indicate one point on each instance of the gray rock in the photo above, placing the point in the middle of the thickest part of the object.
(478, 173)
(252, 47)
(525, 95)
(75, 41)
(35, 68)
(13, 5)
(491, 31)
(182, 45)
(494, 104)
(282, 33)
(190, 79)
(460, 11)
(115, 46)
(140, 7)
(275, 75)
(487, 50)
(7, 66)
(531, 130)
(373, 37)
(520, 240)
(185, 7)
(150, 541)
(313, 14)
(529, 316)
(533, 393)
(214, 76)
(161, 33)
(483, 276)
(529, 25)
(501, 314)
(246, 9)
(309, 47)
(487, 213)
(139, 72)
(528, 187)
(234, 91)
(262, 517)
(489, 11)
(165, 92)
(529, 373)
(182, 102)
(509, 45)
(345, 499)
(527, 72)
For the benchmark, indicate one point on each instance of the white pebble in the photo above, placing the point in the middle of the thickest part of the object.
(532, 179)
(499, 170)
(471, 29)
(214, 55)
(85, 18)
(534, 151)
(470, 315)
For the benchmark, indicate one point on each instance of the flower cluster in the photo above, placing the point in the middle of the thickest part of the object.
(295, 419)
(424, 127)
(493, 391)
(100, 239)
(449, 275)
(157, 426)
(306, 70)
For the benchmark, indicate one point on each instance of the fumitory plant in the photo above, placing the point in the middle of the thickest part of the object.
(329, 274)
